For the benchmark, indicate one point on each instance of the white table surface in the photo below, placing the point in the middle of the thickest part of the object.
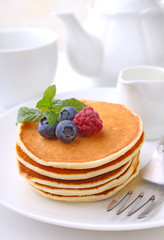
(14, 226)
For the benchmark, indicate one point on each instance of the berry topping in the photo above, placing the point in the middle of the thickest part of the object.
(45, 130)
(88, 121)
(66, 131)
(67, 113)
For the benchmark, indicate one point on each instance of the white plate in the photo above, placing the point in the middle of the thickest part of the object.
(17, 195)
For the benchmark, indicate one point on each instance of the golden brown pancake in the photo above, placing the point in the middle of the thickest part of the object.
(90, 190)
(77, 173)
(79, 183)
(88, 198)
(121, 130)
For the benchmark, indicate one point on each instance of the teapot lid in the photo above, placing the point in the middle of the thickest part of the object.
(122, 6)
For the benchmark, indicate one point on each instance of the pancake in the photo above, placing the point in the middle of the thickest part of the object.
(122, 129)
(89, 168)
(88, 198)
(80, 183)
(61, 173)
(91, 190)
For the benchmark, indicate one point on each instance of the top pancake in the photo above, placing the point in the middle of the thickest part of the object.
(121, 130)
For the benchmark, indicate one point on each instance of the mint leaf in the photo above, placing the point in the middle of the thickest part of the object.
(56, 103)
(73, 102)
(29, 115)
(51, 117)
(48, 96)
(42, 106)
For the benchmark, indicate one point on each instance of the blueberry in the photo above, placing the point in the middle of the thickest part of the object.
(45, 130)
(67, 113)
(66, 131)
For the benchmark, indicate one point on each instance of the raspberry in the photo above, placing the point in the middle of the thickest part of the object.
(88, 121)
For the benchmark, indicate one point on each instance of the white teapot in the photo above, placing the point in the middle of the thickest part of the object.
(116, 34)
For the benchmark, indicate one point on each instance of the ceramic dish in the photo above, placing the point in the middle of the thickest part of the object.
(18, 196)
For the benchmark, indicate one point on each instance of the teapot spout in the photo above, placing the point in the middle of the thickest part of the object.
(84, 51)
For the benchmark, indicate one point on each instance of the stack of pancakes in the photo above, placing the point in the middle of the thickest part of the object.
(89, 168)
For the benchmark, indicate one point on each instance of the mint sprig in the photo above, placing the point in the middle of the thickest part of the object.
(47, 107)
(51, 117)
(29, 115)
(48, 96)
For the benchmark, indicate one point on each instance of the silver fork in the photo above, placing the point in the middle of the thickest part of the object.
(146, 191)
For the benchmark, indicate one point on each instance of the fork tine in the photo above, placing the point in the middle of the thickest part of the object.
(132, 198)
(118, 198)
(141, 204)
(151, 208)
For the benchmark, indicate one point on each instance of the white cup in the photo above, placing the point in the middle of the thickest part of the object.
(28, 60)
(141, 88)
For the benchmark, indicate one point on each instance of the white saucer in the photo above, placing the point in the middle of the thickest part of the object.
(17, 195)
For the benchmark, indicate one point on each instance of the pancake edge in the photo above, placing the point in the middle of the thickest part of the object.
(89, 198)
